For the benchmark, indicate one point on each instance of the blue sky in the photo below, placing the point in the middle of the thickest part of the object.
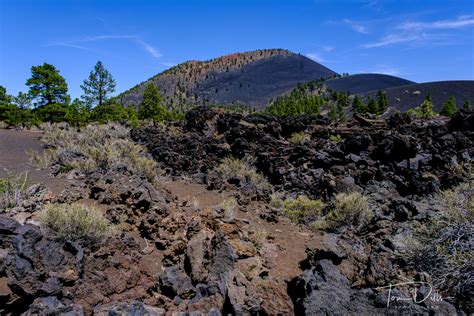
(419, 40)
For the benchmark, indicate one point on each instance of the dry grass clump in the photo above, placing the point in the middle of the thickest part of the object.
(299, 209)
(258, 239)
(335, 138)
(243, 170)
(13, 190)
(347, 209)
(299, 138)
(74, 221)
(444, 247)
(94, 148)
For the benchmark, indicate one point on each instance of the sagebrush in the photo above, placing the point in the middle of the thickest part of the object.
(74, 221)
(13, 190)
(94, 148)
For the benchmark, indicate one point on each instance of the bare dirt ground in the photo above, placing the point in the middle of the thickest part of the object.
(14, 148)
(288, 242)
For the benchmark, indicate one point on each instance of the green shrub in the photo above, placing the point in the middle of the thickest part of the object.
(299, 138)
(335, 138)
(13, 190)
(243, 170)
(74, 221)
(425, 110)
(300, 208)
(94, 148)
(347, 209)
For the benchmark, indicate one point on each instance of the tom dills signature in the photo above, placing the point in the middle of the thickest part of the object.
(431, 294)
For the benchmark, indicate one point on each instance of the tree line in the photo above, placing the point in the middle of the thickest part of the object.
(47, 100)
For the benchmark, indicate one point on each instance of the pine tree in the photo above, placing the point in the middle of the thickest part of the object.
(4, 97)
(372, 107)
(47, 85)
(426, 108)
(77, 113)
(382, 102)
(98, 86)
(358, 106)
(22, 100)
(151, 107)
(467, 105)
(449, 107)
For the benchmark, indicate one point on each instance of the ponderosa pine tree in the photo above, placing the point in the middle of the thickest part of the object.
(98, 86)
(151, 107)
(358, 106)
(449, 107)
(4, 97)
(77, 113)
(382, 102)
(372, 106)
(46, 85)
(22, 100)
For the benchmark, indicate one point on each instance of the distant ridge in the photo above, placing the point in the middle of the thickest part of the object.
(406, 97)
(251, 78)
(362, 83)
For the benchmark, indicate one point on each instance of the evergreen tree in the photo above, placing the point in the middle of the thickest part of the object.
(449, 107)
(22, 100)
(467, 105)
(372, 107)
(426, 108)
(4, 97)
(151, 107)
(77, 113)
(382, 102)
(358, 106)
(46, 85)
(98, 86)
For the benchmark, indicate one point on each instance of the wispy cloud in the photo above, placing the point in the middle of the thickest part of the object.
(70, 45)
(318, 54)
(392, 39)
(356, 26)
(421, 33)
(316, 57)
(152, 51)
(458, 23)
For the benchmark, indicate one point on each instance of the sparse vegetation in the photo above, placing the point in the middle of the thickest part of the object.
(335, 138)
(76, 221)
(13, 190)
(299, 138)
(301, 208)
(243, 170)
(347, 209)
(444, 247)
(95, 148)
(258, 238)
(425, 110)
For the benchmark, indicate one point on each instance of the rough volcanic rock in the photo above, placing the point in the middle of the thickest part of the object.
(35, 264)
(417, 156)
